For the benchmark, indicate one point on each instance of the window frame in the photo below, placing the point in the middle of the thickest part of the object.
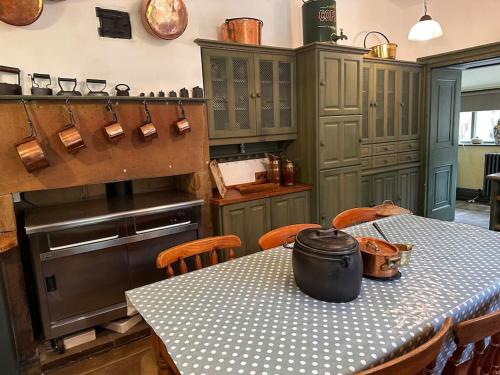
(473, 133)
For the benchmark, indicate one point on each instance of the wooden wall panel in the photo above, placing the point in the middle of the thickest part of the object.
(169, 154)
(7, 215)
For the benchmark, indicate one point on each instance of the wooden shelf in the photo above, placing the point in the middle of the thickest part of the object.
(99, 98)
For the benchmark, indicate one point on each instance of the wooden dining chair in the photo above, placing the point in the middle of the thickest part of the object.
(354, 216)
(178, 254)
(484, 360)
(421, 360)
(279, 236)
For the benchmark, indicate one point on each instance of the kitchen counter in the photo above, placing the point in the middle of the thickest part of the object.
(234, 196)
(8, 240)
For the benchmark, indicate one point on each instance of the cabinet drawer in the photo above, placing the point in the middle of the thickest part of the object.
(409, 146)
(366, 163)
(408, 157)
(384, 161)
(384, 148)
(366, 150)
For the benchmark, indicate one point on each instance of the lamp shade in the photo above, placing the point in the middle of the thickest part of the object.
(425, 29)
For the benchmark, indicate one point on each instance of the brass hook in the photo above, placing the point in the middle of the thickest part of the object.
(30, 123)
(113, 113)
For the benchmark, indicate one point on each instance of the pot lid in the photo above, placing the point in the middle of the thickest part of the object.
(327, 241)
(376, 246)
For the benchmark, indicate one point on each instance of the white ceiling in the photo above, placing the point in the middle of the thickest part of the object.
(481, 78)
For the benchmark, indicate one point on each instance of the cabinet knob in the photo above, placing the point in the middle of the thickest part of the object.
(402, 104)
(375, 104)
(360, 140)
(322, 83)
(385, 161)
(385, 149)
(321, 143)
(252, 95)
(257, 95)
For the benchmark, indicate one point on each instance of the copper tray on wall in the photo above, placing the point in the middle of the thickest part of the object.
(20, 12)
(165, 19)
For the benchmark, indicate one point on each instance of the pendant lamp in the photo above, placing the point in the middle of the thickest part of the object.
(426, 28)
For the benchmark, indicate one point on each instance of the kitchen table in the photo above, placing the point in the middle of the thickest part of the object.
(247, 316)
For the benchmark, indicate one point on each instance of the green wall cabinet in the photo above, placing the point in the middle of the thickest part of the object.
(251, 92)
(250, 220)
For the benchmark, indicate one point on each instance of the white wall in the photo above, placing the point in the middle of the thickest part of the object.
(64, 41)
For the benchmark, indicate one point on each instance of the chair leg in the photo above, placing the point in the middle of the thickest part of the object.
(163, 367)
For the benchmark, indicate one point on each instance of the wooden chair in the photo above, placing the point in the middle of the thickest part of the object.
(485, 360)
(421, 360)
(354, 216)
(166, 258)
(279, 236)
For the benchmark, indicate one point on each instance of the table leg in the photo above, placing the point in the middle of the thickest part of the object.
(166, 365)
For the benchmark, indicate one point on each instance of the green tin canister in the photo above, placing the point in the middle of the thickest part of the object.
(319, 20)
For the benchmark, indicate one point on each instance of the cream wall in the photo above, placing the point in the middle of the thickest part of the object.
(471, 165)
(64, 41)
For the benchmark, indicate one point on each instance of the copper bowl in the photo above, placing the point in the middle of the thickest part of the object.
(148, 132)
(71, 138)
(165, 19)
(380, 258)
(31, 154)
(114, 132)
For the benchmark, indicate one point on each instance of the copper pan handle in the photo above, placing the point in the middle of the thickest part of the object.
(391, 263)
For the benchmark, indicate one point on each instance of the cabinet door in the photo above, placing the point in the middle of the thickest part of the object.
(385, 105)
(249, 221)
(339, 191)
(409, 103)
(290, 209)
(366, 184)
(339, 141)
(275, 94)
(340, 86)
(408, 187)
(366, 126)
(229, 82)
(384, 187)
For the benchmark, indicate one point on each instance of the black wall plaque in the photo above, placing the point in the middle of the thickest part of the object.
(114, 24)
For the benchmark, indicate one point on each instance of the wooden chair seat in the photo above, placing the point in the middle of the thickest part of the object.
(484, 360)
(421, 360)
(166, 258)
(279, 236)
(354, 216)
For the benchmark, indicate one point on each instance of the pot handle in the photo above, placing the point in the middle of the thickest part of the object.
(287, 243)
(391, 263)
(73, 80)
(375, 32)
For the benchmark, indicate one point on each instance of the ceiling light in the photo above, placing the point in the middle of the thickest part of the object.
(426, 28)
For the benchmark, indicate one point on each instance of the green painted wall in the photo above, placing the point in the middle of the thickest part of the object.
(471, 165)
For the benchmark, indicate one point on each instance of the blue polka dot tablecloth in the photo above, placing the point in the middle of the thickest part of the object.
(247, 316)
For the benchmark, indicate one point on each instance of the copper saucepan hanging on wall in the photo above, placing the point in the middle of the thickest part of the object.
(70, 135)
(20, 12)
(147, 130)
(29, 149)
(165, 19)
(114, 131)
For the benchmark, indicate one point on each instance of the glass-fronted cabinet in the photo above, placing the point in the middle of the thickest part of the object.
(409, 103)
(385, 104)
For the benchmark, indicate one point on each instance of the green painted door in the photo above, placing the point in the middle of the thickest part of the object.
(408, 189)
(385, 103)
(275, 94)
(384, 187)
(290, 209)
(340, 189)
(442, 143)
(249, 221)
(230, 84)
(339, 141)
(340, 80)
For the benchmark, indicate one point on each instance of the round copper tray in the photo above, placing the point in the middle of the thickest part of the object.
(20, 12)
(166, 19)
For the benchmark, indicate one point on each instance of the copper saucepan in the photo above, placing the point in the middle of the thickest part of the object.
(165, 19)
(380, 258)
(113, 131)
(70, 135)
(29, 149)
(147, 130)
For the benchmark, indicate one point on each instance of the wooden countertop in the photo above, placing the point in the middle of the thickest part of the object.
(8, 240)
(494, 177)
(234, 196)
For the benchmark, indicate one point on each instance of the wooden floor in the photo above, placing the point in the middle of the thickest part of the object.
(136, 358)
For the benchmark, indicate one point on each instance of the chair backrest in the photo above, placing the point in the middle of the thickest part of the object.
(483, 358)
(279, 236)
(208, 246)
(417, 361)
(354, 216)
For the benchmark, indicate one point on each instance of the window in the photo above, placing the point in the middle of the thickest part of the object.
(478, 124)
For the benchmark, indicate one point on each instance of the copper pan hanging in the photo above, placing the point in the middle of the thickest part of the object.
(20, 12)
(165, 19)
(70, 135)
(147, 130)
(113, 131)
(29, 149)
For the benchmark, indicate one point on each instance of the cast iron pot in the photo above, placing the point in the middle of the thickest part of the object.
(327, 265)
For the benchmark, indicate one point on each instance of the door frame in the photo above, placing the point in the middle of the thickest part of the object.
(482, 55)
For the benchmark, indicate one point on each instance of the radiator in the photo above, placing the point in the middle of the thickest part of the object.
(491, 165)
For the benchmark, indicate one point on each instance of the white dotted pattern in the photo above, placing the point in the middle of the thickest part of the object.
(247, 316)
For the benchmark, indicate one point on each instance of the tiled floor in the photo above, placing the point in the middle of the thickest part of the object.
(473, 213)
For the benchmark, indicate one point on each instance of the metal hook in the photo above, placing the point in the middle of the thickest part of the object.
(148, 115)
(181, 106)
(30, 123)
(71, 116)
(113, 113)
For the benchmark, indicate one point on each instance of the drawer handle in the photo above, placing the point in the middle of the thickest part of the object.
(409, 146)
(162, 227)
(322, 83)
(83, 243)
(386, 149)
(321, 143)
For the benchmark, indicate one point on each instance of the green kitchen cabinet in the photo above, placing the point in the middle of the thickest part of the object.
(339, 141)
(290, 209)
(384, 187)
(340, 189)
(340, 83)
(408, 189)
(366, 185)
(409, 99)
(251, 92)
